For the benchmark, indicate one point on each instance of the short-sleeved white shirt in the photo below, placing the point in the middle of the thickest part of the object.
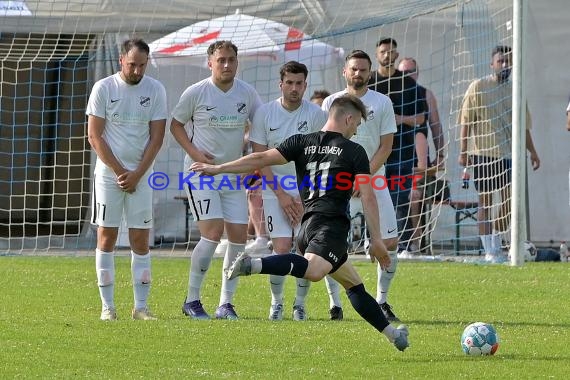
(381, 121)
(127, 110)
(273, 123)
(568, 108)
(217, 118)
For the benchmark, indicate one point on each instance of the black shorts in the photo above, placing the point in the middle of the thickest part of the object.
(490, 174)
(325, 236)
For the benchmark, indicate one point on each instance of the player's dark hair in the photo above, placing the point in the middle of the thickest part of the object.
(387, 40)
(293, 67)
(503, 49)
(348, 103)
(320, 94)
(127, 45)
(359, 54)
(221, 44)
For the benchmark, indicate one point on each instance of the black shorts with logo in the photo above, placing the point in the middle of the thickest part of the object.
(325, 236)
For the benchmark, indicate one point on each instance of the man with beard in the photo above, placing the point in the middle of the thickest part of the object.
(217, 109)
(410, 108)
(375, 135)
(126, 122)
(486, 125)
(275, 121)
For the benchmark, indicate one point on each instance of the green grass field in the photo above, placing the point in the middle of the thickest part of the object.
(49, 325)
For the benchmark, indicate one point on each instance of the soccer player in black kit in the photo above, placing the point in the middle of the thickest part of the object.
(328, 165)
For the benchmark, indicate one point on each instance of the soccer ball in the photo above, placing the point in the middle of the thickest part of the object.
(479, 339)
(529, 251)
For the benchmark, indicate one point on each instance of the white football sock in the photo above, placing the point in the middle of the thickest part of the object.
(141, 277)
(385, 278)
(277, 284)
(333, 288)
(303, 286)
(105, 267)
(229, 286)
(391, 333)
(199, 265)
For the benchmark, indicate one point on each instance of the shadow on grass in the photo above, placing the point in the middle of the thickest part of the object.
(493, 322)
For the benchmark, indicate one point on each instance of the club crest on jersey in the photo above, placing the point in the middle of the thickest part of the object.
(370, 115)
(241, 108)
(145, 101)
(302, 126)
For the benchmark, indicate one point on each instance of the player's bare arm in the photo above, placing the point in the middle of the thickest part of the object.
(463, 136)
(568, 121)
(377, 249)
(412, 120)
(245, 164)
(291, 206)
(177, 130)
(95, 129)
(128, 181)
(534, 159)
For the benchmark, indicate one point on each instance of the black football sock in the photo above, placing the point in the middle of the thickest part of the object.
(367, 307)
(281, 265)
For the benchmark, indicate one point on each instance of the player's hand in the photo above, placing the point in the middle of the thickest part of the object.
(463, 159)
(356, 194)
(378, 251)
(534, 160)
(292, 207)
(128, 181)
(204, 169)
(204, 157)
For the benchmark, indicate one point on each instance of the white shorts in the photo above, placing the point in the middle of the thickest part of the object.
(219, 202)
(276, 221)
(110, 204)
(388, 222)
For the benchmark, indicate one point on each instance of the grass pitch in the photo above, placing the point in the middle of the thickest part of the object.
(50, 306)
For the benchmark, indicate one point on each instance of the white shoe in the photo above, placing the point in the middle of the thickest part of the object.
(299, 313)
(497, 258)
(276, 312)
(405, 255)
(143, 315)
(259, 245)
(109, 315)
(222, 247)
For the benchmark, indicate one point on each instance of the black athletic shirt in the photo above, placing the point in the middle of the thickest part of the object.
(326, 164)
(407, 99)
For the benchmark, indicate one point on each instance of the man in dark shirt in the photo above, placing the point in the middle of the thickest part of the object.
(410, 109)
(328, 166)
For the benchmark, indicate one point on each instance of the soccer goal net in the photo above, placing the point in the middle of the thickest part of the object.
(52, 52)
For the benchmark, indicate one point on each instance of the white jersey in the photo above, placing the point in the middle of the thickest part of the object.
(217, 118)
(380, 121)
(273, 123)
(127, 110)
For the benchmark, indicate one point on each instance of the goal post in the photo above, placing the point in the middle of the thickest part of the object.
(52, 52)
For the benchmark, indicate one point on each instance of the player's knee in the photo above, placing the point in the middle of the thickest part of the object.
(105, 277)
(314, 274)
